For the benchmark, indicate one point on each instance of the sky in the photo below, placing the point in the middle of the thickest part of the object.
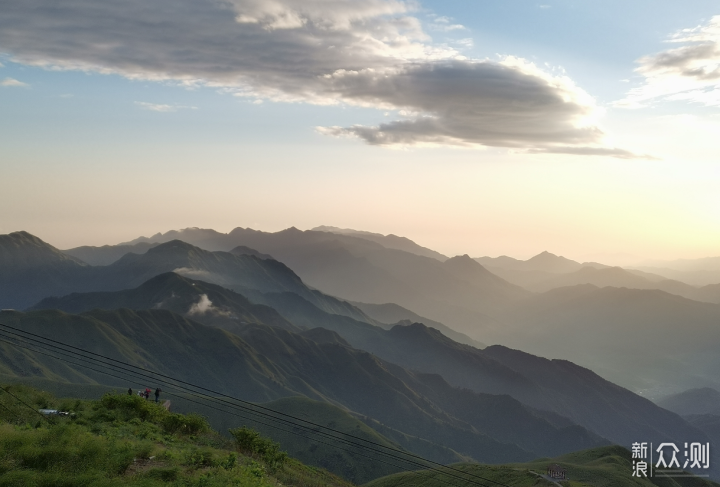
(587, 129)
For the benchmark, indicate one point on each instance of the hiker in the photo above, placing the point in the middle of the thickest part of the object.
(129, 391)
(157, 394)
(147, 393)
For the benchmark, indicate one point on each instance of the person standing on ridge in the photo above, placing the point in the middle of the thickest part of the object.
(147, 393)
(130, 391)
(157, 394)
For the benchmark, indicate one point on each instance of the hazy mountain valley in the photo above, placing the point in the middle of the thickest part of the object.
(456, 359)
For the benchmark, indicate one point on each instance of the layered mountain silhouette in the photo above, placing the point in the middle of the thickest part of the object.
(616, 332)
(354, 267)
(553, 386)
(699, 272)
(107, 254)
(209, 303)
(543, 262)
(31, 269)
(390, 314)
(548, 271)
(704, 400)
(643, 339)
(388, 241)
(338, 318)
(262, 363)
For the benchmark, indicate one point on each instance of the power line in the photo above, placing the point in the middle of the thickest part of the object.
(255, 420)
(215, 399)
(270, 425)
(248, 404)
(5, 389)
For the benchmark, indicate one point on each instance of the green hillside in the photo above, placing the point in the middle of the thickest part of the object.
(355, 465)
(609, 466)
(123, 440)
(264, 363)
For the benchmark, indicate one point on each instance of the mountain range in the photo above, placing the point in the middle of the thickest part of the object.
(347, 329)
(557, 323)
(264, 363)
(457, 292)
(557, 388)
(548, 271)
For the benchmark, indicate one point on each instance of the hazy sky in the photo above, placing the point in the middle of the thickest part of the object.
(504, 127)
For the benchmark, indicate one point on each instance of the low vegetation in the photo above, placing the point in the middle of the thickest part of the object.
(124, 440)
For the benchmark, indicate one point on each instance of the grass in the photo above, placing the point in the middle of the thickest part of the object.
(123, 440)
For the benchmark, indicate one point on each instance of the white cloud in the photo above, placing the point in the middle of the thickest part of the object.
(371, 53)
(157, 107)
(13, 82)
(201, 307)
(205, 306)
(466, 43)
(444, 24)
(688, 73)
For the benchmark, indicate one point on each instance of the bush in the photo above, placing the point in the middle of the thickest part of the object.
(127, 407)
(250, 441)
(199, 457)
(186, 424)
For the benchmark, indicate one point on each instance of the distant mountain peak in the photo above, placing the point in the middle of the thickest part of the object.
(389, 241)
(172, 245)
(464, 258)
(544, 255)
(464, 265)
(24, 248)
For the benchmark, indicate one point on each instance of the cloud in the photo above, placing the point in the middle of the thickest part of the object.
(370, 53)
(688, 73)
(201, 307)
(197, 274)
(594, 151)
(13, 82)
(444, 24)
(466, 103)
(157, 107)
(205, 306)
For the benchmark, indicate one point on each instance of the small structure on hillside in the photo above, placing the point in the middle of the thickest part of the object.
(555, 471)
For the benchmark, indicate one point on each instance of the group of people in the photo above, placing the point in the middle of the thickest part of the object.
(146, 393)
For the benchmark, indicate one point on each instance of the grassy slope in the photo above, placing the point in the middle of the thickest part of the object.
(125, 441)
(349, 465)
(265, 364)
(609, 466)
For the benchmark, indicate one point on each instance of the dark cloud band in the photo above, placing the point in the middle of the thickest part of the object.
(364, 52)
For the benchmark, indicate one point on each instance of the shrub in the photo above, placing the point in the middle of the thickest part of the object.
(230, 462)
(199, 457)
(186, 424)
(250, 441)
(127, 407)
